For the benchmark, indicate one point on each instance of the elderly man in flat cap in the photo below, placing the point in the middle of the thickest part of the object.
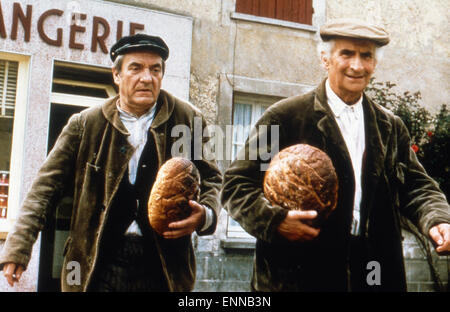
(110, 156)
(358, 247)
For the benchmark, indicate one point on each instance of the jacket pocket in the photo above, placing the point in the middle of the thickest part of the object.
(91, 170)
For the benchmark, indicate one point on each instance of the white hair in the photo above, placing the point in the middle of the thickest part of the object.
(117, 64)
(326, 47)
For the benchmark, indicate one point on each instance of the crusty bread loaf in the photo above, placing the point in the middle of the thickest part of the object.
(302, 177)
(177, 182)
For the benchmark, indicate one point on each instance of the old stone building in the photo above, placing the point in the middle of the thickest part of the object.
(230, 58)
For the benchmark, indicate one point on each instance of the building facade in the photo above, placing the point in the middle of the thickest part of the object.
(230, 58)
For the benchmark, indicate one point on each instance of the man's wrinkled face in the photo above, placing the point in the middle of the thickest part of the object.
(139, 81)
(350, 67)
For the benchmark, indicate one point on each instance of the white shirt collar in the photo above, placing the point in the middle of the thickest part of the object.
(131, 117)
(337, 105)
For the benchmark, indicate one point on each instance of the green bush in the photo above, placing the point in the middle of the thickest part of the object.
(430, 135)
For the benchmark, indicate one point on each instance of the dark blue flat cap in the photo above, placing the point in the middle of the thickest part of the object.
(139, 42)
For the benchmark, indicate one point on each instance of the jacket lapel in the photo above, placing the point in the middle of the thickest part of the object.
(327, 125)
(111, 114)
(377, 128)
(334, 145)
(114, 148)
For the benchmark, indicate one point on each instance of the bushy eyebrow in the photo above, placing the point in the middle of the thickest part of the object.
(134, 64)
(368, 53)
(346, 51)
(141, 65)
(351, 52)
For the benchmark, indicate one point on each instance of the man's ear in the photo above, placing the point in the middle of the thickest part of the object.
(116, 76)
(325, 60)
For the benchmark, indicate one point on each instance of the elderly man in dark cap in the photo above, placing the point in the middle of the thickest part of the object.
(110, 155)
(358, 247)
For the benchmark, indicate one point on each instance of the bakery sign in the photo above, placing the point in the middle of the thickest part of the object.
(85, 26)
(23, 15)
(82, 31)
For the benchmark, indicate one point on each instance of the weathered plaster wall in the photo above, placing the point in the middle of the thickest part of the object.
(276, 53)
(417, 59)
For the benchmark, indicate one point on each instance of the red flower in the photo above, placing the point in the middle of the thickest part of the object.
(430, 134)
(415, 148)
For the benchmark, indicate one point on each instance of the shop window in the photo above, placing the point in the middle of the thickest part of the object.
(81, 85)
(13, 76)
(298, 11)
(247, 109)
(8, 86)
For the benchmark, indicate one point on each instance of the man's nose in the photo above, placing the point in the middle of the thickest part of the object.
(146, 76)
(356, 64)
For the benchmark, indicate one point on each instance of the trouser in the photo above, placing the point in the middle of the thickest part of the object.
(129, 267)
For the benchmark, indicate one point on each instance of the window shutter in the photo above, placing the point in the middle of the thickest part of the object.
(8, 87)
(298, 11)
(244, 6)
(268, 9)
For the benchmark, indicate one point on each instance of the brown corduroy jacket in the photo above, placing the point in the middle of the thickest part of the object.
(92, 153)
(395, 185)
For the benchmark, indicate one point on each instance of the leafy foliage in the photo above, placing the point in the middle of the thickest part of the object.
(430, 135)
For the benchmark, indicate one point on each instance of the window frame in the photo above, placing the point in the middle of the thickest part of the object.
(18, 138)
(4, 102)
(257, 102)
(80, 100)
(317, 18)
(278, 10)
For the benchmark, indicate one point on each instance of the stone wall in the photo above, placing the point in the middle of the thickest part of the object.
(418, 273)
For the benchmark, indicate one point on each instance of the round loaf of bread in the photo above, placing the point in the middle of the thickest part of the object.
(177, 182)
(302, 177)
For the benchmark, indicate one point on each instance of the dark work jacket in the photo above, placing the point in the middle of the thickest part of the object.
(92, 153)
(394, 185)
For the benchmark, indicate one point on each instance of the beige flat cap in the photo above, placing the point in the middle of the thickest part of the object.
(353, 28)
